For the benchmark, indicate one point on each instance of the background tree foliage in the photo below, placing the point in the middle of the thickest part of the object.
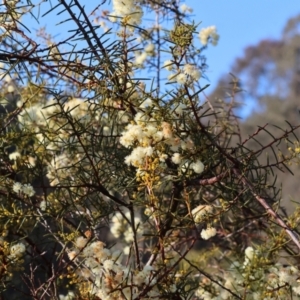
(269, 87)
(118, 186)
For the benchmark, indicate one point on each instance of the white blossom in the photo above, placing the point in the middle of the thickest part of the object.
(17, 250)
(163, 157)
(150, 48)
(187, 144)
(10, 88)
(43, 205)
(285, 276)
(192, 71)
(106, 131)
(81, 242)
(72, 254)
(137, 156)
(185, 166)
(181, 78)
(150, 130)
(167, 130)
(120, 227)
(28, 190)
(208, 233)
(140, 59)
(176, 158)
(129, 9)
(296, 290)
(17, 187)
(69, 296)
(126, 250)
(249, 253)
(123, 117)
(175, 143)
(133, 132)
(197, 167)
(209, 33)
(108, 264)
(147, 103)
(168, 65)
(141, 118)
(184, 8)
(180, 108)
(201, 211)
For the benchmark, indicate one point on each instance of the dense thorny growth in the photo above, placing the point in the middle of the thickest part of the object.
(119, 180)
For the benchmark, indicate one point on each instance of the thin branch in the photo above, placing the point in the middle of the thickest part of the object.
(268, 208)
(208, 181)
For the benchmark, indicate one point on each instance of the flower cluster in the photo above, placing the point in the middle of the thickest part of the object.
(189, 73)
(59, 168)
(41, 118)
(197, 166)
(148, 137)
(17, 251)
(192, 71)
(110, 279)
(26, 189)
(263, 281)
(209, 34)
(184, 8)
(120, 226)
(201, 212)
(168, 65)
(140, 57)
(69, 296)
(129, 10)
(51, 131)
(208, 233)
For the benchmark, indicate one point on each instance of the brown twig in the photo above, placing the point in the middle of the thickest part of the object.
(267, 207)
(208, 181)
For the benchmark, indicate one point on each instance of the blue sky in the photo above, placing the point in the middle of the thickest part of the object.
(240, 23)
